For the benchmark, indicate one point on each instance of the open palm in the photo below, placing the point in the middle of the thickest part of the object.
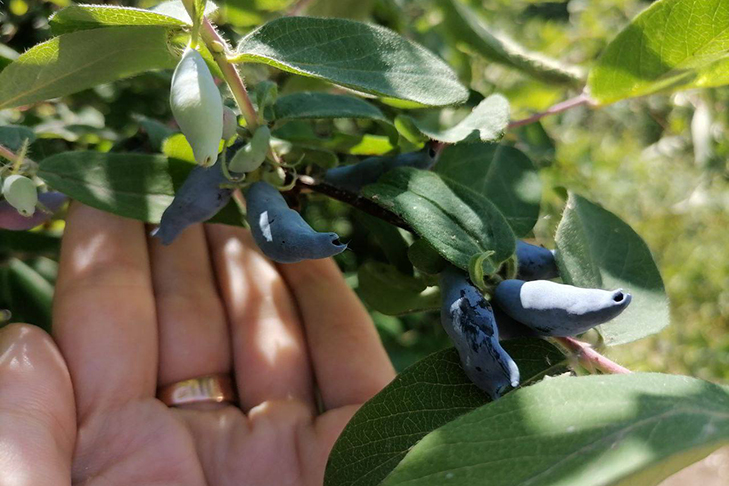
(131, 315)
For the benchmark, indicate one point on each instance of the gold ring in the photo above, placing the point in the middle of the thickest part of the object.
(215, 388)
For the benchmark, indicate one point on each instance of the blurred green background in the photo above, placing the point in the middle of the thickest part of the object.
(660, 162)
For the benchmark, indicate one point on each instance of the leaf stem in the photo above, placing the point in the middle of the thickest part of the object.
(214, 43)
(581, 99)
(591, 358)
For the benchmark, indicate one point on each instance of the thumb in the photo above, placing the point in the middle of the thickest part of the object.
(37, 410)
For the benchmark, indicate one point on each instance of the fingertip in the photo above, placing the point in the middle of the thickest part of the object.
(37, 411)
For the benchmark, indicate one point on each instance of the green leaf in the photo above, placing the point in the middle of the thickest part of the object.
(465, 27)
(393, 293)
(389, 239)
(632, 429)
(456, 220)
(31, 295)
(131, 185)
(671, 45)
(427, 395)
(425, 258)
(13, 136)
(360, 56)
(597, 249)
(80, 60)
(503, 174)
(83, 17)
(487, 123)
(310, 105)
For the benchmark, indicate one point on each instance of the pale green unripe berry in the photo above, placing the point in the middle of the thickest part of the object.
(230, 123)
(21, 193)
(250, 157)
(197, 106)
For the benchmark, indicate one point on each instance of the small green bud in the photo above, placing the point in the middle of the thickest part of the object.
(197, 106)
(21, 193)
(250, 157)
(230, 123)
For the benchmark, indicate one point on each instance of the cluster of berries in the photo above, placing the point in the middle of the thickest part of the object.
(529, 306)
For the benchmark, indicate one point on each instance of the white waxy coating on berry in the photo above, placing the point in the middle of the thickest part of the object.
(21, 193)
(197, 106)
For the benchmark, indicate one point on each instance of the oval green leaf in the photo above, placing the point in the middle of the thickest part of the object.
(597, 249)
(393, 293)
(456, 220)
(464, 26)
(312, 105)
(671, 45)
(131, 185)
(360, 56)
(486, 123)
(632, 429)
(503, 174)
(427, 395)
(73, 62)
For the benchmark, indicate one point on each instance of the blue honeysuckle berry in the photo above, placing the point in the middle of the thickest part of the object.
(199, 198)
(535, 262)
(354, 177)
(197, 106)
(280, 232)
(553, 309)
(468, 319)
(10, 219)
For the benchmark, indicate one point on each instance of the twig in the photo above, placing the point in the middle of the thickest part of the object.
(581, 99)
(355, 200)
(230, 73)
(591, 358)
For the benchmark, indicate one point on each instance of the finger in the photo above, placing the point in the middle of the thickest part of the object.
(349, 361)
(37, 413)
(269, 350)
(193, 332)
(103, 315)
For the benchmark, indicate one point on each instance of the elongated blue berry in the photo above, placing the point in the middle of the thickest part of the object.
(199, 198)
(552, 309)
(197, 106)
(468, 319)
(280, 232)
(510, 328)
(535, 262)
(10, 218)
(354, 177)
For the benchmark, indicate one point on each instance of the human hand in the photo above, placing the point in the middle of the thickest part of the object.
(131, 316)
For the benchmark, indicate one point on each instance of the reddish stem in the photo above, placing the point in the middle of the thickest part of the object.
(581, 99)
(586, 354)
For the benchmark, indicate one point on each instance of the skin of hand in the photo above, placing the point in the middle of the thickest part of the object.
(131, 315)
